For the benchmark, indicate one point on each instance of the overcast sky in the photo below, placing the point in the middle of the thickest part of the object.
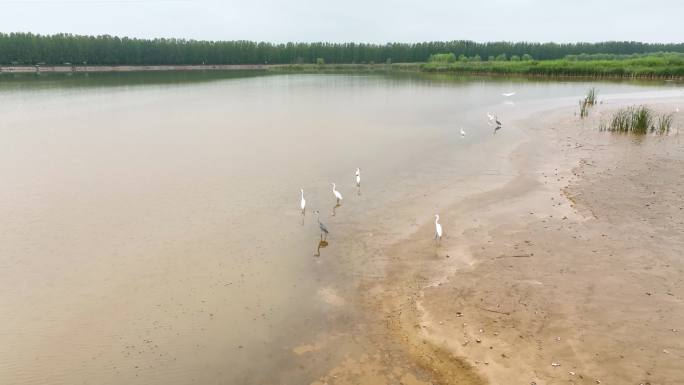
(376, 21)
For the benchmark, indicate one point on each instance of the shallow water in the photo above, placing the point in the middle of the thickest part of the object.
(149, 224)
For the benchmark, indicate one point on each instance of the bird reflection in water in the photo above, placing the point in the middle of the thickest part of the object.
(321, 245)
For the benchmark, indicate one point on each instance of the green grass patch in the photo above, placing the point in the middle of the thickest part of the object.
(670, 65)
(638, 120)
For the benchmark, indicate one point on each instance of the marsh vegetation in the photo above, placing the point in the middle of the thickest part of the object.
(589, 101)
(638, 120)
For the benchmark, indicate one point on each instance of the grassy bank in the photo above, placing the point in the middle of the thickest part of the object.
(667, 66)
(663, 66)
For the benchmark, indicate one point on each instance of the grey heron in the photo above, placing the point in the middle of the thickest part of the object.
(324, 230)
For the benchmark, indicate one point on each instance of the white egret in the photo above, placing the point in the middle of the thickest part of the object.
(462, 133)
(358, 177)
(490, 116)
(302, 202)
(438, 229)
(507, 94)
(324, 230)
(337, 194)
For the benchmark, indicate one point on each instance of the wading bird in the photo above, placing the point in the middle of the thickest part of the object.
(337, 194)
(324, 230)
(490, 116)
(302, 202)
(438, 229)
(358, 177)
(462, 133)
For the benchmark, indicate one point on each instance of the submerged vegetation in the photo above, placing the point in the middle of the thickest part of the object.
(638, 120)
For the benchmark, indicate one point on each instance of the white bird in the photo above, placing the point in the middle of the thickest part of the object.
(438, 229)
(302, 203)
(336, 193)
(462, 133)
(358, 177)
(507, 94)
(490, 116)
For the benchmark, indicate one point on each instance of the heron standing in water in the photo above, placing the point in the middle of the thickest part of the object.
(462, 133)
(324, 230)
(358, 177)
(302, 202)
(337, 194)
(438, 229)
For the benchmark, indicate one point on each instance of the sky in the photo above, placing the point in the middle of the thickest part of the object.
(371, 21)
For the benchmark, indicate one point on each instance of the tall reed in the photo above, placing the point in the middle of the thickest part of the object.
(587, 102)
(638, 120)
(591, 96)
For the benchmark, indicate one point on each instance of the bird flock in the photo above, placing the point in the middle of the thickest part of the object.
(492, 121)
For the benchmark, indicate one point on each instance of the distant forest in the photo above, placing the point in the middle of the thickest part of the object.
(60, 49)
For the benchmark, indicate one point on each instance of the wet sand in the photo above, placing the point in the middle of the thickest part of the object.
(568, 272)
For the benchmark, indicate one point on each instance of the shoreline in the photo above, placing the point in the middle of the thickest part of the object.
(128, 68)
(315, 68)
(495, 303)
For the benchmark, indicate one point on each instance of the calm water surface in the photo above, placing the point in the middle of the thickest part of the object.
(149, 223)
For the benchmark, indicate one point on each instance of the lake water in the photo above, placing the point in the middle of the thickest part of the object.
(150, 230)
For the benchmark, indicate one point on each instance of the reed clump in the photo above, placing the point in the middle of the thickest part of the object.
(587, 102)
(639, 120)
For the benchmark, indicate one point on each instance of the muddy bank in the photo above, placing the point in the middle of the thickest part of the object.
(569, 273)
(125, 68)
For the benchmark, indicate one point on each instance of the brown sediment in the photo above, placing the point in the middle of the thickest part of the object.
(573, 272)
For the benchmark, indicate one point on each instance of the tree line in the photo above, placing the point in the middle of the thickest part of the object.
(60, 49)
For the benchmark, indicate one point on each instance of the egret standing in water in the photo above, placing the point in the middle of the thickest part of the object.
(462, 133)
(337, 194)
(324, 230)
(358, 177)
(302, 202)
(438, 229)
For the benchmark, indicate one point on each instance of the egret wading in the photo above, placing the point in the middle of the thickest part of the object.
(462, 133)
(302, 202)
(337, 194)
(358, 177)
(324, 230)
(438, 229)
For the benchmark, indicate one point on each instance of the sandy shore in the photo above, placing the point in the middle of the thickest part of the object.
(569, 273)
